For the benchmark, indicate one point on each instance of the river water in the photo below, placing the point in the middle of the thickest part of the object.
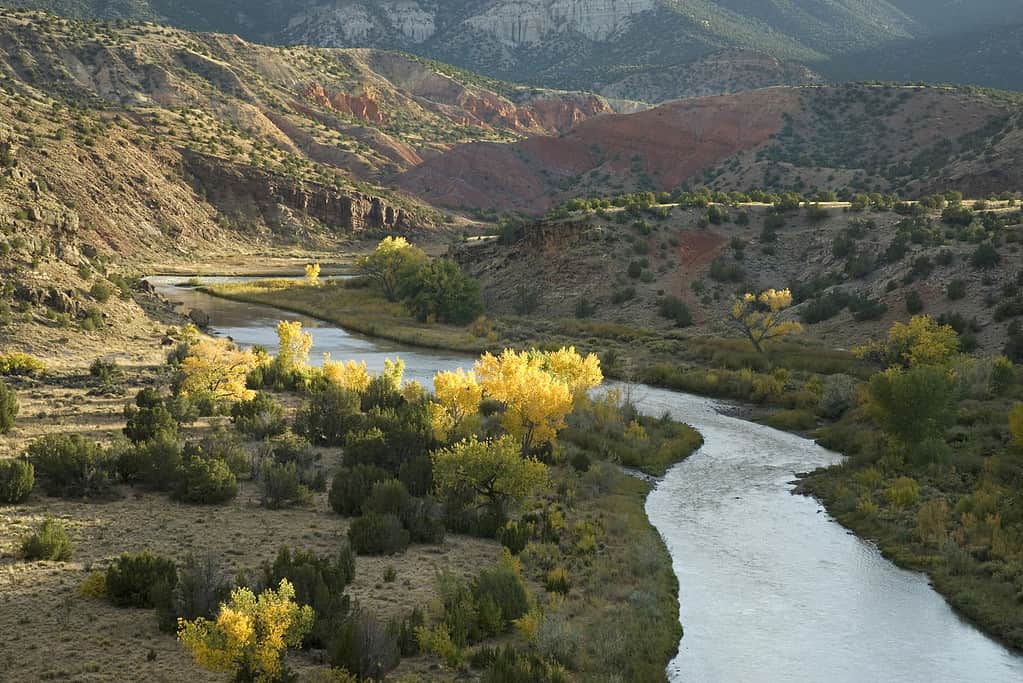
(771, 588)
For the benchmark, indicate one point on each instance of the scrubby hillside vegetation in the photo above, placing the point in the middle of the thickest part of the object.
(621, 47)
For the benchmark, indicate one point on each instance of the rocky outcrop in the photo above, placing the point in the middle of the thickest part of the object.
(236, 190)
(362, 106)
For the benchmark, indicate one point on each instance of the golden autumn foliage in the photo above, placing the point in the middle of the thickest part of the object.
(293, 346)
(1016, 424)
(579, 373)
(758, 316)
(920, 342)
(347, 374)
(494, 470)
(458, 397)
(536, 402)
(217, 368)
(250, 634)
(312, 273)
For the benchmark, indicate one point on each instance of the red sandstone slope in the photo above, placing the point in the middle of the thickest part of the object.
(667, 145)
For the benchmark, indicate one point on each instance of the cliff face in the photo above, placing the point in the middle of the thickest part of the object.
(242, 191)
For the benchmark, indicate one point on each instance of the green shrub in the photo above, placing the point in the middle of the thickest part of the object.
(8, 408)
(153, 464)
(101, 291)
(70, 466)
(558, 580)
(283, 486)
(329, 416)
(148, 417)
(376, 534)
(792, 420)
(49, 542)
(511, 666)
(439, 290)
(515, 536)
(223, 445)
(837, 396)
(387, 497)
(503, 587)
(259, 418)
(985, 257)
(140, 580)
(404, 632)
(290, 447)
(416, 474)
(106, 371)
(424, 520)
(17, 477)
(914, 302)
(319, 582)
(351, 486)
(207, 481)
(956, 289)
(674, 309)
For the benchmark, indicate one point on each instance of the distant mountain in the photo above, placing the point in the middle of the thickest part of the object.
(600, 44)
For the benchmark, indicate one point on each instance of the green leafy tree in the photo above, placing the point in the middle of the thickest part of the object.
(914, 407)
(439, 290)
(494, 472)
(393, 257)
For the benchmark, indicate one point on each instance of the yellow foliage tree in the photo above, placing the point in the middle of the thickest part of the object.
(312, 273)
(579, 373)
(458, 397)
(536, 401)
(347, 374)
(920, 342)
(758, 316)
(250, 634)
(1016, 424)
(293, 345)
(392, 257)
(394, 371)
(217, 368)
(494, 470)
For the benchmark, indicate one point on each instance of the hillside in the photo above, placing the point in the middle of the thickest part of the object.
(594, 44)
(910, 140)
(852, 272)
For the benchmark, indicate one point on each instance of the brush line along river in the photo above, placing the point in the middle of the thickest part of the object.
(771, 588)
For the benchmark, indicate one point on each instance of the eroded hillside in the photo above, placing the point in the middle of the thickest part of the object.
(907, 139)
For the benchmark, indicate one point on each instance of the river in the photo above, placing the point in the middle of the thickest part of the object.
(771, 587)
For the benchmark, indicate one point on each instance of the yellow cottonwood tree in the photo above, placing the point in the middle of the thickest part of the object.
(294, 345)
(922, 341)
(389, 260)
(250, 634)
(347, 374)
(494, 470)
(312, 273)
(536, 401)
(458, 397)
(758, 316)
(579, 373)
(217, 369)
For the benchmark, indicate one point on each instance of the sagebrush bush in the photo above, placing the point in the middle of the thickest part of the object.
(376, 534)
(837, 396)
(364, 646)
(17, 477)
(70, 466)
(207, 481)
(351, 486)
(260, 418)
(140, 580)
(8, 408)
(282, 486)
(49, 542)
(202, 585)
(511, 666)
